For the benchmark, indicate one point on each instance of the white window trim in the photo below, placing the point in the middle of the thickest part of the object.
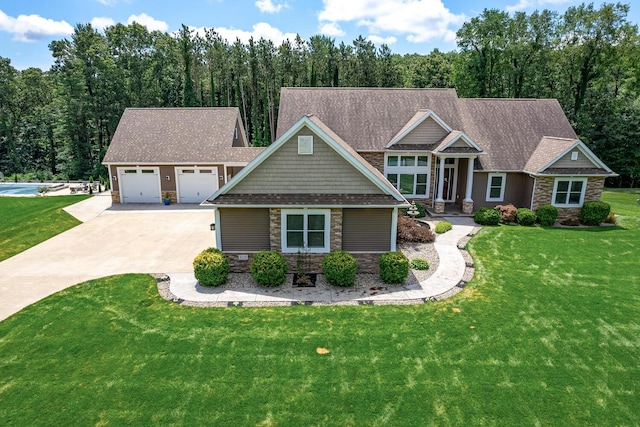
(305, 212)
(488, 197)
(570, 179)
(408, 170)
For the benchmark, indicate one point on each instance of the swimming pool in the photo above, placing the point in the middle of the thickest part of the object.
(19, 189)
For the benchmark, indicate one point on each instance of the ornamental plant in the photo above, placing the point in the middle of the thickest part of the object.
(507, 213)
(419, 264)
(486, 216)
(394, 267)
(594, 212)
(410, 230)
(211, 267)
(526, 216)
(547, 215)
(339, 268)
(443, 227)
(269, 268)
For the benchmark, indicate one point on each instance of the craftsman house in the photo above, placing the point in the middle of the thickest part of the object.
(184, 154)
(455, 154)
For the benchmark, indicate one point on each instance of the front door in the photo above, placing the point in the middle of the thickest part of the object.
(450, 179)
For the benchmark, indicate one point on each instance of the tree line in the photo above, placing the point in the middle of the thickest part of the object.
(58, 123)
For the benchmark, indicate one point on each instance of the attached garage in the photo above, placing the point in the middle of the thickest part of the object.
(196, 184)
(139, 185)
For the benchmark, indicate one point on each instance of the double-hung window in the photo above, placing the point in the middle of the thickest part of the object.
(569, 192)
(495, 187)
(409, 173)
(305, 230)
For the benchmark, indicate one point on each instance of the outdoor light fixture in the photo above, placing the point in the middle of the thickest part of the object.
(168, 178)
(115, 178)
(213, 226)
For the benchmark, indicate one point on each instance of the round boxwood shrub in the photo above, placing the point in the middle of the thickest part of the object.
(526, 216)
(419, 264)
(547, 215)
(486, 216)
(394, 267)
(211, 267)
(594, 212)
(443, 227)
(269, 268)
(339, 268)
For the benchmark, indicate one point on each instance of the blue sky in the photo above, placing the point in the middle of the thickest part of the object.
(407, 26)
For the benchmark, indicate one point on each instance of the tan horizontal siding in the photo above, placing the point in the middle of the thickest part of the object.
(366, 230)
(288, 172)
(427, 132)
(244, 229)
(566, 162)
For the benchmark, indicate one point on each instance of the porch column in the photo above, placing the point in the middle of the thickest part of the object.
(467, 203)
(441, 181)
(439, 204)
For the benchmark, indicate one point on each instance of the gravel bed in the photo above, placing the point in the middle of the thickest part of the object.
(363, 282)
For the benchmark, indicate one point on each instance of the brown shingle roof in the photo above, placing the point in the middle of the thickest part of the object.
(548, 150)
(508, 130)
(367, 119)
(177, 135)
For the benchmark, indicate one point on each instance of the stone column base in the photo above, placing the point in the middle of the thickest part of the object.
(115, 196)
(438, 207)
(467, 207)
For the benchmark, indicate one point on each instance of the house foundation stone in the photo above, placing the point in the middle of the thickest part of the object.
(467, 207)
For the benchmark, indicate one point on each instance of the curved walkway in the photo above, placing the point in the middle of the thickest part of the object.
(454, 271)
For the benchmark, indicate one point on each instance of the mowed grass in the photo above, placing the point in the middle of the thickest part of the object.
(27, 221)
(547, 333)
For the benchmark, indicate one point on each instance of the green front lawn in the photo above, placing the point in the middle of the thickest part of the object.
(27, 221)
(545, 334)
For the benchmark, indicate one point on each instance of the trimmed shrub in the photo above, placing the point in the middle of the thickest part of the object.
(394, 267)
(526, 216)
(594, 212)
(422, 211)
(411, 231)
(211, 267)
(547, 215)
(443, 227)
(507, 213)
(269, 268)
(486, 216)
(339, 268)
(419, 264)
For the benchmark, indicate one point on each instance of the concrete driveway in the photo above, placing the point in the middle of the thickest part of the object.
(120, 239)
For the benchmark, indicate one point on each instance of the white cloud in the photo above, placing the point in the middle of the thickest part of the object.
(102, 22)
(108, 2)
(377, 40)
(332, 29)
(267, 6)
(530, 4)
(418, 20)
(31, 28)
(260, 30)
(152, 24)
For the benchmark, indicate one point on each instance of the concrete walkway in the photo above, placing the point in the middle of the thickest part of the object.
(451, 270)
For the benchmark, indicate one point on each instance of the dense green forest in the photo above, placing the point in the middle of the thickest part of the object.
(57, 124)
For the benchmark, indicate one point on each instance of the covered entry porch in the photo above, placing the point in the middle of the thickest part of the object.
(453, 184)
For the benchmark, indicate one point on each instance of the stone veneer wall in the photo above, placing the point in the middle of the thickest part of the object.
(544, 192)
(173, 196)
(115, 197)
(375, 159)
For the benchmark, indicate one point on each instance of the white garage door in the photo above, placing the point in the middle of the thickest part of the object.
(139, 185)
(196, 184)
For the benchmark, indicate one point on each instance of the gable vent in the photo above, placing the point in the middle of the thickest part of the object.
(574, 155)
(305, 144)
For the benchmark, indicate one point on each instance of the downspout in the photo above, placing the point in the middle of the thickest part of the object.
(394, 228)
(216, 213)
(533, 192)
